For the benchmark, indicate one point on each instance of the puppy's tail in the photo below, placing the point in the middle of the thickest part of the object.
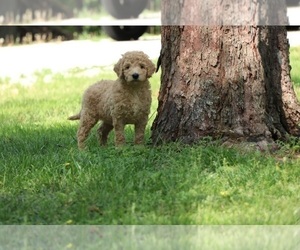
(74, 117)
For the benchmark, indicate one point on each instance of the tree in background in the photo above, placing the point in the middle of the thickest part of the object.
(224, 81)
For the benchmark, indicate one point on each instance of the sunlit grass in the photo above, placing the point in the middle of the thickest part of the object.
(295, 63)
(295, 72)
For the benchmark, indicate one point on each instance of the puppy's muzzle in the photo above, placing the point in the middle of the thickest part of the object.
(135, 76)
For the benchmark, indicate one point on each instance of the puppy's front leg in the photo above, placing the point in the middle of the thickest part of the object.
(119, 132)
(140, 132)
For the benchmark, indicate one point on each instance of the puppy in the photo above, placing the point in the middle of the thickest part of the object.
(126, 100)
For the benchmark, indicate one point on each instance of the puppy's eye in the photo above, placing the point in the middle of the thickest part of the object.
(127, 66)
(142, 66)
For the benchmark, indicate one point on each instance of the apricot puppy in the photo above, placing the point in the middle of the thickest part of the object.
(126, 100)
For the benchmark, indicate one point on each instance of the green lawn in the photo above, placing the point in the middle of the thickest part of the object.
(44, 179)
(295, 64)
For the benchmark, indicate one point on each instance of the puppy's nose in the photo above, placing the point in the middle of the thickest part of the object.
(135, 76)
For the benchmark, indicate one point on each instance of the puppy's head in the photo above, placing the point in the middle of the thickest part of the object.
(134, 66)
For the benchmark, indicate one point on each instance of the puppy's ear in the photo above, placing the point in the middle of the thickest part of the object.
(150, 69)
(118, 68)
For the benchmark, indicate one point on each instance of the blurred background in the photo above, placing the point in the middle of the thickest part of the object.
(25, 21)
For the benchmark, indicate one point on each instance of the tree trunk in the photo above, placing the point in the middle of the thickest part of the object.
(229, 82)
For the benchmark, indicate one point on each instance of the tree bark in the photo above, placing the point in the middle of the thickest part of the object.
(230, 82)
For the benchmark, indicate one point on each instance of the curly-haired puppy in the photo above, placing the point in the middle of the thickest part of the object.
(116, 103)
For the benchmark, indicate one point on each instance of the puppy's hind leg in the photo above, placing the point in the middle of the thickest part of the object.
(103, 132)
(87, 122)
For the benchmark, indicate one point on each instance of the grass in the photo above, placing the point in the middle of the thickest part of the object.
(295, 64)
(44, 179)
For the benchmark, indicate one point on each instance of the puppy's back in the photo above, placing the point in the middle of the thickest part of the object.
(98, 92)
(97, 99)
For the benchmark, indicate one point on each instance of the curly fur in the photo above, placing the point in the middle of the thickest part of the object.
(117, 103)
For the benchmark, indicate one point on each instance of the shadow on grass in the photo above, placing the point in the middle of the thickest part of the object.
(45, 179)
